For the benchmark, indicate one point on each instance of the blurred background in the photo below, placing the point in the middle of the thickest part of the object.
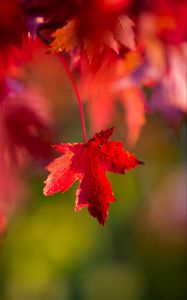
(50, 253)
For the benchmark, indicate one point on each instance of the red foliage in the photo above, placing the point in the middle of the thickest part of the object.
(118, 47)
(88, 163)
(12, 25)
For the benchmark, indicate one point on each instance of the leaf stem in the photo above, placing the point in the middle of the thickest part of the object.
(81, 111)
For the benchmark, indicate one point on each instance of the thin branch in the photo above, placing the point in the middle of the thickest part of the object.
(77, 96)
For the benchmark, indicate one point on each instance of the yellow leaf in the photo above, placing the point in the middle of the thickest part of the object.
(65, 38)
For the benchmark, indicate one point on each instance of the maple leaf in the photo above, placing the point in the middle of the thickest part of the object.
(88, 163)
(65, 38)
(109, 86)
(26, 119)
(12, 23)
(125, 33)
(69, 37)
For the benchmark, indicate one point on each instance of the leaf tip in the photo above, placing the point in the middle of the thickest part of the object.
(140, 162)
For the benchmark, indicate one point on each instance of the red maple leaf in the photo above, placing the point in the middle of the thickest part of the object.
(88, 163)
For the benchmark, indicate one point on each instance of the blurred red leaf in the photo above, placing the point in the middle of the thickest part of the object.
(125, 33)
(88, 163)
(69, 38)
(132, 100)
(27, 122)
(12, 24)
(105, 89)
